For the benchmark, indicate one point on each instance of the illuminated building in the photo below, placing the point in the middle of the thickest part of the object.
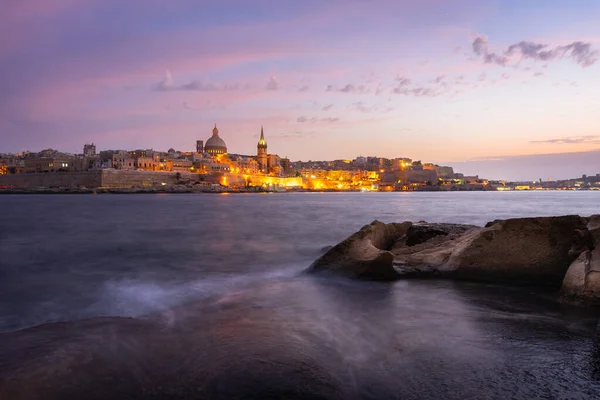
(274, 164)
(285, 166)
(48, 164)
(261, 154)
(215, 146)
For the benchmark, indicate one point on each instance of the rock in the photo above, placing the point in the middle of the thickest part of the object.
(364, 254)
(425, 248)
(214, 353)
(422, 232)
(519, 251)
(582, 281)
(594, 225)
(574, 280)
(326, 249)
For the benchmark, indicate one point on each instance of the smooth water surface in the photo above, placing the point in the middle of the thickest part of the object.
(230, 266)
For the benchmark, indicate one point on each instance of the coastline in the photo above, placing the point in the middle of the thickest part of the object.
(227, 190)
(161, 190)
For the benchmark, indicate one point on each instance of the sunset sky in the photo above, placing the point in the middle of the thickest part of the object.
(441, 81)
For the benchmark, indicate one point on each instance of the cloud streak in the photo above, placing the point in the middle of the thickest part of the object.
(167, 85)
(303, 120)
(580, 52)
(587, 139)
(349, 88)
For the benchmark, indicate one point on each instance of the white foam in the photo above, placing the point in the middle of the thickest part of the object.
(137, 297)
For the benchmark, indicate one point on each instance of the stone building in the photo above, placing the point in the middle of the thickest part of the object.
(261, 153)
(181, 165)
(274, 164)
(48, 164)
(122, 160)
(286, 166)
(215, 146)
(89, 150)
(246, 165)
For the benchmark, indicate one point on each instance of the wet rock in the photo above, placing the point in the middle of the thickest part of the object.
(326, 249)
(423, 232)
(126, 358)
(582, 281)
(519, 251)
(364, 254)
(424, 251)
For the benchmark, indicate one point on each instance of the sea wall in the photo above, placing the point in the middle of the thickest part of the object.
(53, 180)
(131, 178)
(112, 178)
(93, 179)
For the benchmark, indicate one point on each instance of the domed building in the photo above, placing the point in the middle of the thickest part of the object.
(215, 146)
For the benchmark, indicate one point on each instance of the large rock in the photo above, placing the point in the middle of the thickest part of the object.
(519, 251)
(582, 281)
(365, 254)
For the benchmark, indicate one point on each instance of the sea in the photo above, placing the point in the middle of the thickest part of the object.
(217, 283)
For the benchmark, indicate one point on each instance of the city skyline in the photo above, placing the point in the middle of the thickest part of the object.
(329, 80)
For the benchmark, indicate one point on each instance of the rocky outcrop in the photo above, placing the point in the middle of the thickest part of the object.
(520, 251)
(365, 254)
(582, 281)
(516, 251)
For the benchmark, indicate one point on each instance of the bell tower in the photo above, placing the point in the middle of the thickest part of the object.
(261, 154)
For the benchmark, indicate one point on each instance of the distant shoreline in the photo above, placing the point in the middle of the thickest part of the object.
(187, 190)
(159, 191)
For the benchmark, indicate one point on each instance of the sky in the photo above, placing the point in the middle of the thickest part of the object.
(473, 84)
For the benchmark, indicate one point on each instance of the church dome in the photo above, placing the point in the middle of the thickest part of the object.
(215, 145)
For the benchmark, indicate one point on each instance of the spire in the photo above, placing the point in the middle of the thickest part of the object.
(215, 130)
(262, 141)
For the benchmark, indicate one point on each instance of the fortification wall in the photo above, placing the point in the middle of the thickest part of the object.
(130, 178)
(89, 179)
(112, 178)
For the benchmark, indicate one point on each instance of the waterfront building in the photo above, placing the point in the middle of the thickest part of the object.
(246, 165)
(215, 146)
(285, 166)
(261, 153)
(401, 163)
(274, 164)
(148, 163)
(122, 160)
(444, 172)
(48, 164)
(180, 165)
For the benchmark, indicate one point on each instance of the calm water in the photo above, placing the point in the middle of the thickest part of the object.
(225, 270)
